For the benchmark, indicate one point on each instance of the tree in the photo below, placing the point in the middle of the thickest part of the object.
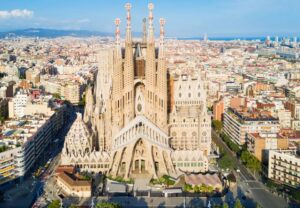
(196, 189)
(2, 119)
(3, 148)
(226, 162)
(233, 146)
(82, 102)
(225, 205)
(238, 204)
(296, 195)
(250, 161)
(188, 187)
(72, 206)
(54, 204)
(107, 205)
(217, 125)
(56, 95)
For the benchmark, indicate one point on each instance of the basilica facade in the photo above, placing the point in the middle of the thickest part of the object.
(145, 119)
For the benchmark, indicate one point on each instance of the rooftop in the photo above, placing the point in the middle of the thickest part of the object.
(72, 180)
(247, 114)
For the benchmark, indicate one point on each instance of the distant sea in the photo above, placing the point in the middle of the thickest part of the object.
(226, 38)
(53, 33)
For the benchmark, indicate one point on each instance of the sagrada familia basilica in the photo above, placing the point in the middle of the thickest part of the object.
(140, 119)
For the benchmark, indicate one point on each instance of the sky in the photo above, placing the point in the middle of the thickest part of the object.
(184, 18)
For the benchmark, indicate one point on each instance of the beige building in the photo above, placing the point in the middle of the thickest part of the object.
(32, 76)
(71, 92)
(284, 167)
(73, 186)
(129, 110)
(78, 150)
(285, 118)
(68, 90)
(22, 105)
(258, 144)
(190, 125)
(7, 165)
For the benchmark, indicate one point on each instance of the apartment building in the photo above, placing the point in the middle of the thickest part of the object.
(26, 140)
(7, 165)
(17, 104)
(68, 90)
(71, 92)
(259, 143)
(240, 122)
(294, 107)
(284, 167)
(218, 110)
(285, 118)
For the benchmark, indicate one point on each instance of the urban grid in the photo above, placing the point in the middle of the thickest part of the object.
(142, 119)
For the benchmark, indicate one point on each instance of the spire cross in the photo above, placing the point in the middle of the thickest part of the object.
(150, 7)
(128, 8)
(117, 33)
(162, 22)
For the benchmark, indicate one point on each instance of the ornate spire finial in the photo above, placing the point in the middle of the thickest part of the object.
(128, 8)
(117, 33)
(150, 7)
(128, 18)
(162, 22)
(151, 32)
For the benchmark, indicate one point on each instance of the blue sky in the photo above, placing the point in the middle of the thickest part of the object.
(184, 18)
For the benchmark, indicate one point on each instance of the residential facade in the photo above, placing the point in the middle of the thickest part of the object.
(239, 123)
(284, 167)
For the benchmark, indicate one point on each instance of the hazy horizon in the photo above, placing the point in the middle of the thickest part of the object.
(183, 18)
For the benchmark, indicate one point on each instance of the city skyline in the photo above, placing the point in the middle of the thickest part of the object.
(147, 104)
(216, 18)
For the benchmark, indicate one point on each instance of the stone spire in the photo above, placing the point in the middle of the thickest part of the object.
(117, 37)
(161, 38)
(162, 80)
(128, 20)
(150, 74)
(128, 84)
(144, 30)
(151, 29)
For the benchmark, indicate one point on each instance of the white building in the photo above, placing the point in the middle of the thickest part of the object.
(284, 167)
(285, 118)
(237, 124)
(18, 104)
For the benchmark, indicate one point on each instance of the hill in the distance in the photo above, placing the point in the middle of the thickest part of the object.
(51, 33)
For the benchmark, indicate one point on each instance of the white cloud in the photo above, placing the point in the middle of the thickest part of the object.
(16, 13)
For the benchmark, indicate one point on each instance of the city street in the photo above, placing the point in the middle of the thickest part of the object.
(24, 193)
(248, 183)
